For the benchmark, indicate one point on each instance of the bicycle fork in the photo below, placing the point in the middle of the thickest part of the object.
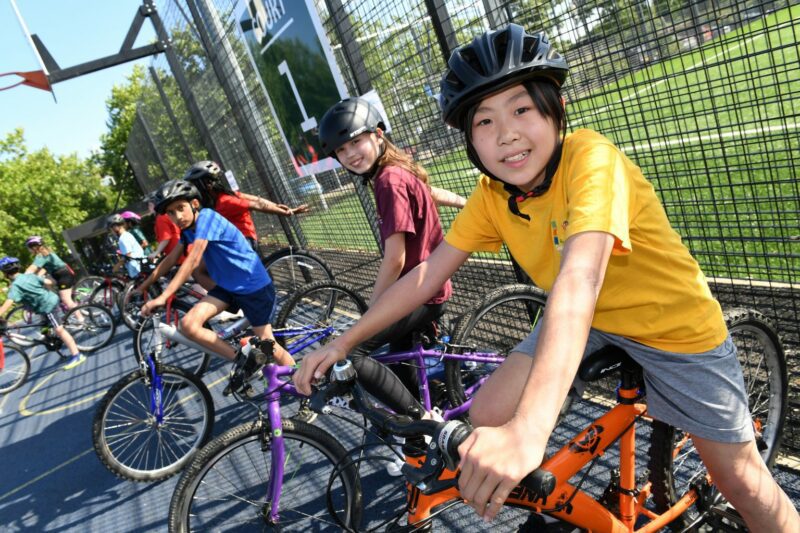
(156, 392)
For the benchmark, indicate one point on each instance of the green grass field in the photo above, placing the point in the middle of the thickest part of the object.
(713, 129)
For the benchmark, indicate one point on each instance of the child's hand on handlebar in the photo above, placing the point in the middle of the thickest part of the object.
(315, 365)
(152, 305)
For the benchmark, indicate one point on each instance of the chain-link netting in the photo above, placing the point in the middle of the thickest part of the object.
(701, 95)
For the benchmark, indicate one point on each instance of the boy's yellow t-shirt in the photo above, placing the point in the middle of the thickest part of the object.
(654, 291)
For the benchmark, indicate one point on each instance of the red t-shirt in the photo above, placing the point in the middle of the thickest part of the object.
(405, 205)
(166, 229)
(237, 210)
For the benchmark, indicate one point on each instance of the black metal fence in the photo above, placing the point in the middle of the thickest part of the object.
(702, 95)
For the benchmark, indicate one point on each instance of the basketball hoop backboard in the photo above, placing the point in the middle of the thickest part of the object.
(35, 78)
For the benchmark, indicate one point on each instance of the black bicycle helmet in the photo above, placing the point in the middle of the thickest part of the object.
(345, 120)
(114, 220)
(208, 171)
(492, 62)
(174, 190)
(9, 265)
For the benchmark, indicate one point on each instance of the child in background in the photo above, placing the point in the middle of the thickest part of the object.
(29, 290)
(130, 251)
(132, 222)
(46, 261)
(241, 281)
(583, 222)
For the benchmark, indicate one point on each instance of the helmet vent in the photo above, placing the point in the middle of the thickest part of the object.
(501, 45)
(471, 58)
(530, 46)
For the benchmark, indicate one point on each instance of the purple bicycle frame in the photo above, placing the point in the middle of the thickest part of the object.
(418, 355)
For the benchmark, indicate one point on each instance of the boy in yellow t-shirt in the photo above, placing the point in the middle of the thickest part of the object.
(584, 224)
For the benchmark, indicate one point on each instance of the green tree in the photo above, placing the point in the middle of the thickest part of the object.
(34, 185)
(121, 106)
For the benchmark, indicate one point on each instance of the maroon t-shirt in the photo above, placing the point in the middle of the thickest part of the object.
(405, 205)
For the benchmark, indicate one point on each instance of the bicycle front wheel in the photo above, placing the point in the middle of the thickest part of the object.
(318, 311)
(133, 443)
(291, 269)
(149, 341)
(15, 367)
(84, 287)
(91, 325)
(24, 324)
(496, 325)
(674, 462)
(226, 488)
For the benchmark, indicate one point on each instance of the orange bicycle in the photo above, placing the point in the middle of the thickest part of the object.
(674, 490)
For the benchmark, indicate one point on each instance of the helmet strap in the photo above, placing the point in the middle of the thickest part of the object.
(369, 174)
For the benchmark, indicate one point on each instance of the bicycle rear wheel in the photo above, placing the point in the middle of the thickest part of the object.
(496, 325)
(291, 269)
(130, 305)
(91, 325)
(127, 436)
(317, 307)
(107, 295)
(674, 462)
(148, 341)
(15, 368)
(226, 487)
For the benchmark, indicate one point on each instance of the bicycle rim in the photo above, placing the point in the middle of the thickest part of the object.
(320, 305)
(91, 325)
(291, 269)
(129, 440)
(16, 367)
(675, 463)
(504, 318)
(226, 487)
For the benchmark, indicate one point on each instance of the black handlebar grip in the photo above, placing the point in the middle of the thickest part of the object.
(540, 482)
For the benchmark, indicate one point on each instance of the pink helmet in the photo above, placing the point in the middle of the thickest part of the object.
(130, 215)
(34, 240)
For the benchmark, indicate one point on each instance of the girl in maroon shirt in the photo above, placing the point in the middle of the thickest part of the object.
(352, 132)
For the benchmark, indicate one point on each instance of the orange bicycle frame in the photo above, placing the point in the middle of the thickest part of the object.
(575, 506)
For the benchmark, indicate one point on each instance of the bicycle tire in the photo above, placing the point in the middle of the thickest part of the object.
(130, 305)
(16, 367)
(84, 287)
(123, 420)
(108, 297)
(26, 324)
(228, 481)
(291, 269)
(319, 304)
(170, 353)
(93, 330)
(674, 463)
(504, 317)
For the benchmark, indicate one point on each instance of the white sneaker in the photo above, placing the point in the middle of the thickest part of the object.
(394, 467)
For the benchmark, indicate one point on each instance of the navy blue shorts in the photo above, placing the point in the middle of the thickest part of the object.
(256, 306)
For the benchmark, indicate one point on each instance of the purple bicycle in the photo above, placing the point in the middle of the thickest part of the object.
(268, 473)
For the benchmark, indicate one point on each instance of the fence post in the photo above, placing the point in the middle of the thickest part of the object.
(497, 13)
(442, 27)
(171, 114)
(352, 54)
(187, 94)
(151, 142)
(231, 78)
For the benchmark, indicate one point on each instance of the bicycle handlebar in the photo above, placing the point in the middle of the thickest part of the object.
(446, 437)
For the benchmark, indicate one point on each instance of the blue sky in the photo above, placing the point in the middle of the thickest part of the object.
(74, 31)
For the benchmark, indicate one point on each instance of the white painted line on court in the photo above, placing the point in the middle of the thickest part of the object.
(708, 137)
(651, 86)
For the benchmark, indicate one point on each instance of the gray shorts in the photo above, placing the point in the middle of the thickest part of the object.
(702, 393)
